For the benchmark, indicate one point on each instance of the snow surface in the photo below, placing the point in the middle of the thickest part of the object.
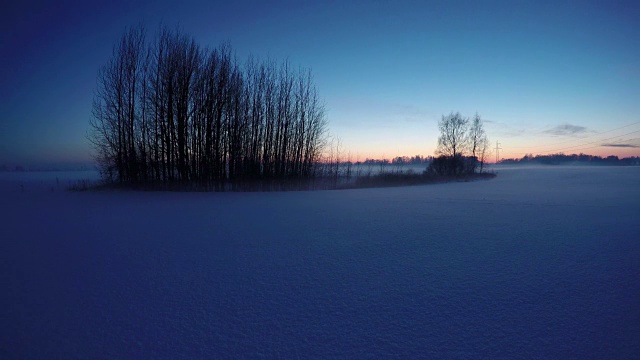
(538, 263)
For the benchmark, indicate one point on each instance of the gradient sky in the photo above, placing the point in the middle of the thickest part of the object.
(546, 76)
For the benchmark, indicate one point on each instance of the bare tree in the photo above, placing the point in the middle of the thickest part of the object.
(476, 134)
(475, 139)
(453, 135)
(113, 127)
(452, 143)
(483, 150)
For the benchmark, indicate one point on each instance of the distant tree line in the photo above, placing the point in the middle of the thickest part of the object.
(463, 146)
(398, 160)
(562, 159)
(411, 160)
(171, 111)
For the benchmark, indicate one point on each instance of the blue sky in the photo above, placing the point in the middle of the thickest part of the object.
(544, 75)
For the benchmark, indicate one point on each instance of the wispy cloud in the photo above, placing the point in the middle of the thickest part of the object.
(621, 145)
(378, 113)
(566, 130)
(502, 129)
(412, 113)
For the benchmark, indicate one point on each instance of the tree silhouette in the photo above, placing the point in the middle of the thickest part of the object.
(462, 145)
(453, 135)
(478, 143)
(171, 112)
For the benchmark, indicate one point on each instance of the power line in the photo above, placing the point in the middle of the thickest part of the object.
(581, 146)
(586, 137)
(627, 141)
(589, 143)
(498, 148)
(622, 127)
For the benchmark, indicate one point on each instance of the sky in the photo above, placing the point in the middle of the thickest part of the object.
(546, 77)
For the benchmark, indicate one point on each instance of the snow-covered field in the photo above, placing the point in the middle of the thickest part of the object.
(538, 263)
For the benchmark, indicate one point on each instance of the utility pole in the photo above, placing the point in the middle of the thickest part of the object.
(498, 148)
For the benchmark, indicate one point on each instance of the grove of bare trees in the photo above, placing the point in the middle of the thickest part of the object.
(462, 145)
(169, 111)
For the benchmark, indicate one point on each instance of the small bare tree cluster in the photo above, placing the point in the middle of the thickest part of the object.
(170, 111)
(462, 146)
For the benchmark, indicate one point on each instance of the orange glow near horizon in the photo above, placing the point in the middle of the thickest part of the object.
(383, 141)
(507, 151)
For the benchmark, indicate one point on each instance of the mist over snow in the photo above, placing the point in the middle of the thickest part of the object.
(539, 262)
